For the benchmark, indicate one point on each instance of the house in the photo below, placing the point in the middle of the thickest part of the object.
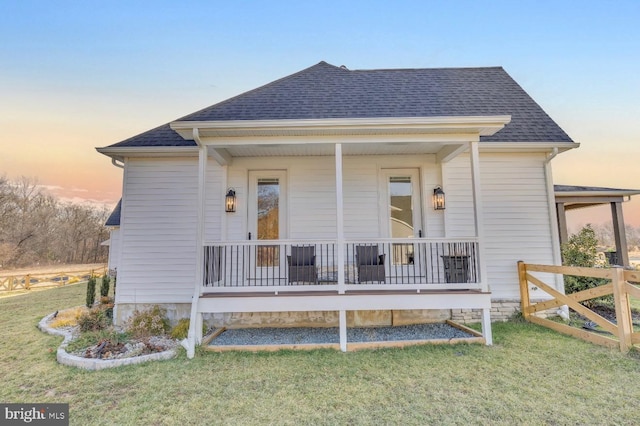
(113, 225)
(335, 195)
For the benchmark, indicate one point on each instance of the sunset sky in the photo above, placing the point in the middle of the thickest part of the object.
(79, 75)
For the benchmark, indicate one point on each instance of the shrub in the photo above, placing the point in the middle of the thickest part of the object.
(150, 322)
(68, 317)
(106, 300)
(104, 287)
(91, 291)
(95, 319)
(94, 337)
(181, 330)
(580, 250)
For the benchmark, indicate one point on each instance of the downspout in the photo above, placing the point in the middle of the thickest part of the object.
(195, 324)
(115, 163)
(553, 221)
(119, 165)
(555, 236)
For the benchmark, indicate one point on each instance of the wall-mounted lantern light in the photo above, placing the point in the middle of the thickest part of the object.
(438, 198)
(230, 201)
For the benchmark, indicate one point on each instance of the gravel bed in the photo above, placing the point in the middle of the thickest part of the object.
(307, 335)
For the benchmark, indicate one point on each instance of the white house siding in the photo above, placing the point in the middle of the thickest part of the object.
(363, 204)
(214, 203)
(516, 216)
(458, 188)
(312, 200)
(158, 227)
(114, 247)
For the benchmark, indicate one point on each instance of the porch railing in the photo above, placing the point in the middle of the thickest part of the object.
(400, 263)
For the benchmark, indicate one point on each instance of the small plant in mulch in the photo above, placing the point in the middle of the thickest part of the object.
(91, 291)
(181, 329)
(104, 286)
(68, 317)
(149, 322)
(96, 319)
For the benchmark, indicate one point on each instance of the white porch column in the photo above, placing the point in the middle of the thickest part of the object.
(342, 315)
(342, 320)
(195, 325)
(478, 208)
(478, 212)
(340, 219)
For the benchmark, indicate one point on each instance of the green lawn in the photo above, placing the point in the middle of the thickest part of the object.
(530, 376)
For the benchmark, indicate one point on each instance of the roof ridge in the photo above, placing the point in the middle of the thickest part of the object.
(435, 68)
(257, 89)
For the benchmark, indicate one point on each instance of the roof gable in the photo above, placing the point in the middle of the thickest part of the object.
(326, 91)
(114, 217)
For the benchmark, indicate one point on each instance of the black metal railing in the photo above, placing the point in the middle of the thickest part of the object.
(412, 262)
(408, 261)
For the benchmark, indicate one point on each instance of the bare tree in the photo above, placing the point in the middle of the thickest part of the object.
(35, 227)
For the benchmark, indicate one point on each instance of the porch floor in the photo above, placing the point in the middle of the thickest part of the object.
(266, 339)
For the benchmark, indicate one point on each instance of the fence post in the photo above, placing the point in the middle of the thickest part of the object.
(27, 282)
(623, 310)
(524, 289)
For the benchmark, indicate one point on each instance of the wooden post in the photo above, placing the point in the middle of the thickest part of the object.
(524, 289)
(562, 223)
(623, 310)
(27, 282)
(619, 233)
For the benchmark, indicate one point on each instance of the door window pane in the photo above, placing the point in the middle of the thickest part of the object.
(401, 207)
(268, 209)
(401, 215)
(268, 220)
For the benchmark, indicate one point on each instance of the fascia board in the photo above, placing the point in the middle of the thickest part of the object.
(585, 194)
(484, 125)
(526, 146)
(148, 151)
(227, 142)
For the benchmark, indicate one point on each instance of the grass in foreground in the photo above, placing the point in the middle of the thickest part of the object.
(531, 376)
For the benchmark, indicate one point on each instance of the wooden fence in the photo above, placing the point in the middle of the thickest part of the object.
(618, 285)
(47, 280)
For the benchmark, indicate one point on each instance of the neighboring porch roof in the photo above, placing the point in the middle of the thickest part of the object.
(575, 197)
(326, 92)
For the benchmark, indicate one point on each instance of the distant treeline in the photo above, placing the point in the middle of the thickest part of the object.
(37, 228)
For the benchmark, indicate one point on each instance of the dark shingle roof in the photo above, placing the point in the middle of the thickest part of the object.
(327, 91)
(114, 217)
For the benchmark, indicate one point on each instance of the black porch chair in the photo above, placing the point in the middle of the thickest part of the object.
(302, 265)
(370, 264)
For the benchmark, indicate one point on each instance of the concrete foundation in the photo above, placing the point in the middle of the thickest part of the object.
(501, 310)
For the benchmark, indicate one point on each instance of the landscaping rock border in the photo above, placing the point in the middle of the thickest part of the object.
(66, 358)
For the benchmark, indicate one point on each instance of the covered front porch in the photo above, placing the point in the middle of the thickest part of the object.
(401, 262)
